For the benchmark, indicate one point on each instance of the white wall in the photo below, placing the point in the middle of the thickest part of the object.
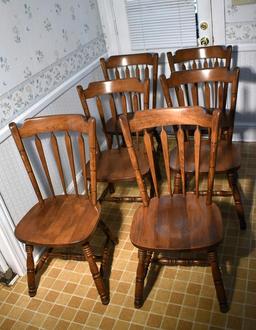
(240, 28)
(43, 43)
(47, 48)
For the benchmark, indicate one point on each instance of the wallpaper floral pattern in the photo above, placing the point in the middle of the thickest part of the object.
(240, 23)
(43, 44)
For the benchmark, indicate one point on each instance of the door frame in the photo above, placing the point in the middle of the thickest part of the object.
(112, 14)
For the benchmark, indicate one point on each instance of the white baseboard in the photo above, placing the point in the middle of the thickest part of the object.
(245, 132)
(10, 248)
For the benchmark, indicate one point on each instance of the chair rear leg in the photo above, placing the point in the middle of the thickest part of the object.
(217, 278)
(31, 271)
(139, 286)
(96, 274)
(232, 179)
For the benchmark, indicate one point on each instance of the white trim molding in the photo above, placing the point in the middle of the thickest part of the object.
(10, 248)
(32, 91)
(245, 132)
(3, 265)
(51, 96)
(109, 26)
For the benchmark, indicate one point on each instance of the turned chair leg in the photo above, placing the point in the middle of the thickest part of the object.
(139, 286)
(31, 271)
(217, 278)
(232, 179)
(96, 274)
(177, 184)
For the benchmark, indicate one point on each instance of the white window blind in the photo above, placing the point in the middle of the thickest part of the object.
(161, 23)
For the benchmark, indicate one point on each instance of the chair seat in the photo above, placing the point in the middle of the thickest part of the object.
(177, 223)
(60, 221)
(115, 165)
(228, 157)
(113, 126)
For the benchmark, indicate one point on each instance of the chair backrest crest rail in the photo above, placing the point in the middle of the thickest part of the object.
(210, 88)
(143, 66)
(65, 134)
(130, 95)
(163, 118)
(200, 57)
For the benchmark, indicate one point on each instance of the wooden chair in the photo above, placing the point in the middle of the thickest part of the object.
(61, 218)
(143, 66)
(185, 222)
(114, 164)
(199, 58)
(210, 83)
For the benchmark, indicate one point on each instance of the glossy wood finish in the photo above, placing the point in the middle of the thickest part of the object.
(211, 83)
(175, 222)
(200, 57)
(109, 96)
(113, 165)
(228, 158)
(142, 66)
(59, 219)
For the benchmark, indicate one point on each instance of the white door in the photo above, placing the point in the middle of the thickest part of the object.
(199, 21)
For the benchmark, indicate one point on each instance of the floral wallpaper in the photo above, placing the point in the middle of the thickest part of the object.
(43, 44)
(240, 23)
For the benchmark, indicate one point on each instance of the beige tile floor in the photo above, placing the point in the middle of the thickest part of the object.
(181, 298)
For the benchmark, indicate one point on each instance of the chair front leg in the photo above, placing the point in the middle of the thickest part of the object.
(31, 271)
(96, 274)
(139, 286)
(217, 278)
(232, 179)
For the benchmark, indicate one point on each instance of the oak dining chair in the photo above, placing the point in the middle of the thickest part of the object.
(113, 163)
(143, 66)
(173, 223)
(53, 150)
(199, 58)
(206, 87)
